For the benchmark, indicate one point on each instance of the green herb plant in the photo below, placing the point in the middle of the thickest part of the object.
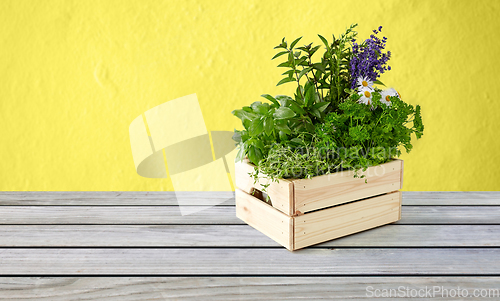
(324, 127)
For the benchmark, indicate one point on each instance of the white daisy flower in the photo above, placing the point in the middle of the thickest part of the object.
(366, 96)
(388, 93)
(364, 83)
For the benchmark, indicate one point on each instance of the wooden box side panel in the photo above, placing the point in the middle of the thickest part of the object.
(265, 218)
(342, 187)
(281, 192)
(330, 223)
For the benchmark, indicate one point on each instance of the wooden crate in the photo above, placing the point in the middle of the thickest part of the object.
(309, 211)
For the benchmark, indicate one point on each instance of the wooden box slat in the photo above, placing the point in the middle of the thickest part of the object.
(265, 218)
(341, 187)
(281, 192)
(298, 196)
(296, 232)
(322, 225)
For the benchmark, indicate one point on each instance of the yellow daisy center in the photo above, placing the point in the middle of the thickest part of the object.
(367, 94)
(364, 83)
(387, 98)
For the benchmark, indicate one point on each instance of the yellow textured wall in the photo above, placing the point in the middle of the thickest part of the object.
(74, 74)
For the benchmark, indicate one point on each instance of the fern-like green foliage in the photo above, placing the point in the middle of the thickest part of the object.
(360, 136)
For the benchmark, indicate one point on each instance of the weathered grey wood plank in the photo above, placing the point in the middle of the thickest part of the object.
(450, 215)
(242, 261)
(238, 236)
(450, 202)
(453, 198)
(232, 288)
(216, 215)
(114, 198)
(165, 198)
(452, 194)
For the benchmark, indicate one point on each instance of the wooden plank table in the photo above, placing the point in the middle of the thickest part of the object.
(137, 246)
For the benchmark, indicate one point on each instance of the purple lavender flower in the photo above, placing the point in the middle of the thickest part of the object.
(368, 59)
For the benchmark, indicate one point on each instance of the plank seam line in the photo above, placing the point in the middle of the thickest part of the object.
(222, 205)
(240, 224)
(255, 275)
(253, 247)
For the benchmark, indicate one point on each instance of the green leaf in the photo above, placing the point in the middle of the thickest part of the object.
(248, 109)
(299, 100)
(308, 85)
(378, 82)
(256, 127)
(286, 80)
(288, 101)
(283, 113)
(279, 54)
(321, 106)
(309, 127)
(301, 62)
(241, 152)
(299, 127)
(254, 154)
(296, 108)
(237, 136)
(282, 45)
(270, 98)
(284, 128)
(285, 64)
(297, 141)
(300, 91)
(283, 136)
(313, 50)
(260, 108)
(268, 125)
(284, 100)
(319, 66)
(316, 96)
(304, 71)
(246, 123)
(324, 41)
(258, 144)
(316, 113)
(310, 91)
(242, 114)
(295, 42)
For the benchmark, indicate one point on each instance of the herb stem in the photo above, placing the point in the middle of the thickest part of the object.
(314, 76)
(295, 69)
